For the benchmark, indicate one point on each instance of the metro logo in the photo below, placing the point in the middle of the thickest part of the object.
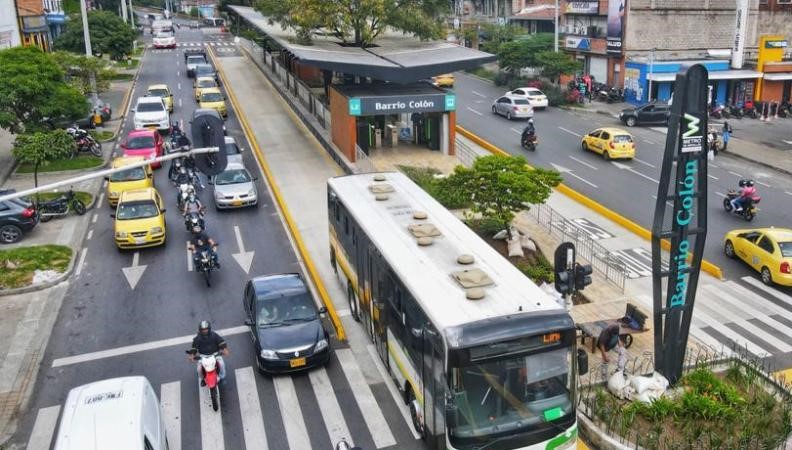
(692, 126)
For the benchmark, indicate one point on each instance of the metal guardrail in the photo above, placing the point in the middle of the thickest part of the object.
(362, 161)
(601, 259)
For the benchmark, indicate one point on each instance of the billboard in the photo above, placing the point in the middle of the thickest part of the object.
(616, 11)
(583, 7)
(577, 43)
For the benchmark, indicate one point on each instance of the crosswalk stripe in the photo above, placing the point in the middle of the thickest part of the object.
(759, 302)
(774, 292)
(211, 421)
(170, 404)
(378, 427)
(714, 344)
(398, 399)
(293, 422)
(44, 428)
(328, 405)
(250, 409)
(741, 319)
(721, 328)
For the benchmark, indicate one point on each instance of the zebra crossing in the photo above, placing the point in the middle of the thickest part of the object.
(297, 401)
(744, 313)
(206, 44)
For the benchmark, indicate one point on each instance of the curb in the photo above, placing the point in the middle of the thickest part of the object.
(608, 213)
(295, 232)
(47, 284)
(756, 161)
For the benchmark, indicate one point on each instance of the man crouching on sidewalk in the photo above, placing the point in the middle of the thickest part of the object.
(607, 341)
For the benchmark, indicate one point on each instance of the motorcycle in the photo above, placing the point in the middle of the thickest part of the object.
(193, 220)
(749, 209)
(751, 110)
(61, 206)
(530, 142)
(615, 95)
(210, 376)
(84, 142)
(344, 445)
(735, 111)
(716, 112)
(184, 191)
(205, 264)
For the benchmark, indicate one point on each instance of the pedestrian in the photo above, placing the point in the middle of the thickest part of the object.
(727, 131)
(607, 341)
(712, 140)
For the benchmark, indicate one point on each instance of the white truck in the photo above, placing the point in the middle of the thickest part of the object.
(192, 58)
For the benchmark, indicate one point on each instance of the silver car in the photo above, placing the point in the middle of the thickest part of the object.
(233, 151)
(234, 187)
(513, 107)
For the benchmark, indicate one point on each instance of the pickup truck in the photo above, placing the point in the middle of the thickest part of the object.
(193, 57)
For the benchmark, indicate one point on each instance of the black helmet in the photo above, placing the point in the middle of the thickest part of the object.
(742, 183)
(205, 325)
(749, 183)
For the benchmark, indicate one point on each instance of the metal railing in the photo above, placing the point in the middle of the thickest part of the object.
(601, 259)
(362, 161)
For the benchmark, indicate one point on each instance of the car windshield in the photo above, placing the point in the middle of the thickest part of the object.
(133, 174)
(232, 176)
(786, 249)
(622, 138)
(140, 142)
(159, 92)
(141, 209)
(498, 395)
(520, 101)
(211, 97)
(291, 306)
(150, 107)
(205, 83)
(204, 68)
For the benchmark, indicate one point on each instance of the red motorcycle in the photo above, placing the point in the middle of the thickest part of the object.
(210, 367)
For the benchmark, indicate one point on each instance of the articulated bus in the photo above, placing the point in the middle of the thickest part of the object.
(482, 356)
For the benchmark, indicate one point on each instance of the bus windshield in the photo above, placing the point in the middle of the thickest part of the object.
(508, 395)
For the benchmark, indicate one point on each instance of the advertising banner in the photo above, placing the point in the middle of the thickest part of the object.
(577, 43)
(616, 11)
(583, 7)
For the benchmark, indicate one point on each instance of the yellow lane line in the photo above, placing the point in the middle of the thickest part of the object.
(628, 224)
(314, 274)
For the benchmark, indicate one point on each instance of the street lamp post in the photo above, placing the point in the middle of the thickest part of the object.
(88, 50)
(651, 72)
(555, 16)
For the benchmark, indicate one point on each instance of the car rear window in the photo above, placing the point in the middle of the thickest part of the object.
(150, 107)
(786, 249)
(622, 138)
(139, 142)
(159, 92)
(232, 176)
(211, 97)
(520, 101)
(133, 174)
(137, 210)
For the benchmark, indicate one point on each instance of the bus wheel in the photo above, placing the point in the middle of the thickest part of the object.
(353, 304)
(415, 413)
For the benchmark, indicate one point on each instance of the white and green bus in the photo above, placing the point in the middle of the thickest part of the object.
(483, 357)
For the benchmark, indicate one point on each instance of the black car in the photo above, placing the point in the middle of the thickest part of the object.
(17, 216)
(286, 327)
(650, 113)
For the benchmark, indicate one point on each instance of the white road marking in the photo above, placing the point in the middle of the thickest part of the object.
(570, 132)
(630, 169)
(714, 165)
(90, 235)
(343, 312)
(44, 428)
(293, 422)
(104, 183)
(735, 174)
(243, 258)
(170, 404)
(582, 162)
(328, 405)
(178, 85)
(763, 184)
(476, 93)
(786, 142)
(250, 409)
(80, 263)
(180, 103)
(649, 142)
(398, 398)
(189, 258)
(178, 73)
(667, 202)
(101, 199)
(772, 291)
(136, 348)
(721, 194)
(211, 420)
(713, 177)
(787, 193)
(516, 131)
(562, 170)
(474, 111)
(95, 216)
(377, 425)
(134, 272)
(643, 162)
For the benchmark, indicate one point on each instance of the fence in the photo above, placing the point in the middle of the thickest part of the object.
(362, 161)
(601, 259)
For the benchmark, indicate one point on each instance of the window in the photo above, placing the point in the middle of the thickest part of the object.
(767, 245)
(786, 249)
(595, 133)
(519, 92)
(784, 2)
(503, 100)
(605, 135)
(750, 237)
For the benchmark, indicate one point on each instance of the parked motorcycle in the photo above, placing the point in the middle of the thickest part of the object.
(716, 112)
(615, 95)
(751, 110)
(193, 220)
(530, 142)
(210, 376)
(84, 142)
(205, 264)
(61, 206)
(749, 208)
(734, 111)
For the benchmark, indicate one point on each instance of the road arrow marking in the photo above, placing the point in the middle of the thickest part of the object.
(569, 171)
(630, 169)
(243, 258)
(134, 272)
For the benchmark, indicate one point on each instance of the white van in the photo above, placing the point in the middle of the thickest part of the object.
(115, 414)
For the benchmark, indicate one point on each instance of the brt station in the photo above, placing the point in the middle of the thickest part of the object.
(380, 98)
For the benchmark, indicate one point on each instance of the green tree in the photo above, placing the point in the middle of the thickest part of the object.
(501, 186)
(493, 35)
(109, 34)
(516, 54)
(80, 68)
(195, 12)
(357, 22)
(32, 88)
(41, 147)
(556, 64)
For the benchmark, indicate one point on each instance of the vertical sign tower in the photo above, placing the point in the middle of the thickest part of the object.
(683, 181)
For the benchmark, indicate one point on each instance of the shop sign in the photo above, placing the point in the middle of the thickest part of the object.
(776, 44)
(32, 24)
(372, 106)
(583, 7)
(577, 43)
(616, 10)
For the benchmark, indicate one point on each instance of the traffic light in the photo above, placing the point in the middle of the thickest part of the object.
(563, 263)
(563, 282)
(582, 276)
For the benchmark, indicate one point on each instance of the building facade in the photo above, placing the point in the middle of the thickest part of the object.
(35, 30)
(56, 17)
(583, 31)
(9, 26)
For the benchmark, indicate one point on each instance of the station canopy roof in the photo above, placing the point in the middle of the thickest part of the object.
(396, 56)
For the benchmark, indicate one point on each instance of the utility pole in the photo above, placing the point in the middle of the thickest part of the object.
(124, 11)
(88, 50)
(651, 72)
(131, 13)
(555, 16)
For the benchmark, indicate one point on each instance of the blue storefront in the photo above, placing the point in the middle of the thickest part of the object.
(726, 85)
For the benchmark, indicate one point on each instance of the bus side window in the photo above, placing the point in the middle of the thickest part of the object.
(346, 225)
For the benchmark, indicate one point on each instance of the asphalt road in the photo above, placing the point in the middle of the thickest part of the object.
(102, 312)
(627, 187)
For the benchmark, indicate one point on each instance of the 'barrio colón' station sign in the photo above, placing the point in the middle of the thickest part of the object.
(423, 103)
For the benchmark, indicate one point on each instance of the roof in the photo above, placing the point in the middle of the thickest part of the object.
(152, 99)
(141, 132)
(138, 194)
(396, 57)
(103, 414)
(614, 130)
(205, 79)
(428, 271)
(157, 86)
(125, 160)
(778, 76)
(210, 90)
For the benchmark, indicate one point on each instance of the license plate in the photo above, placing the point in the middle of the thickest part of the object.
(297, 362)
(237, 202)
(140, 240)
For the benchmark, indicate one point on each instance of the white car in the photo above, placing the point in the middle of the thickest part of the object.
(164, 39)
(535, 97)
(512, 107)
(150, 112)
(233, 151)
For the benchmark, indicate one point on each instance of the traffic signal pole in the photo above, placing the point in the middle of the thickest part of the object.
(570, 277)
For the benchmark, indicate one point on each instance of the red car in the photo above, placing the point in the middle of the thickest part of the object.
(144, 142)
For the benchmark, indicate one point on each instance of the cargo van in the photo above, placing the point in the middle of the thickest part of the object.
(118, 414)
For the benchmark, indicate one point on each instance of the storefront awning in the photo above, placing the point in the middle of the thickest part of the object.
(780, 76)
(661, 76)
(713, 75)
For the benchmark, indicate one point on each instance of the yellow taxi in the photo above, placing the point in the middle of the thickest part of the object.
(212, 98)
(203, 82)
(445, 80)
(128, 180)
(611, 143)
(139, 219)
(767, 250)
(162, 91)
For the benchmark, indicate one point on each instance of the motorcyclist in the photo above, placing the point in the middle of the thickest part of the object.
(529, 132)
(207, 342)
(747, 190)
(193, 205)
(200, 242)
